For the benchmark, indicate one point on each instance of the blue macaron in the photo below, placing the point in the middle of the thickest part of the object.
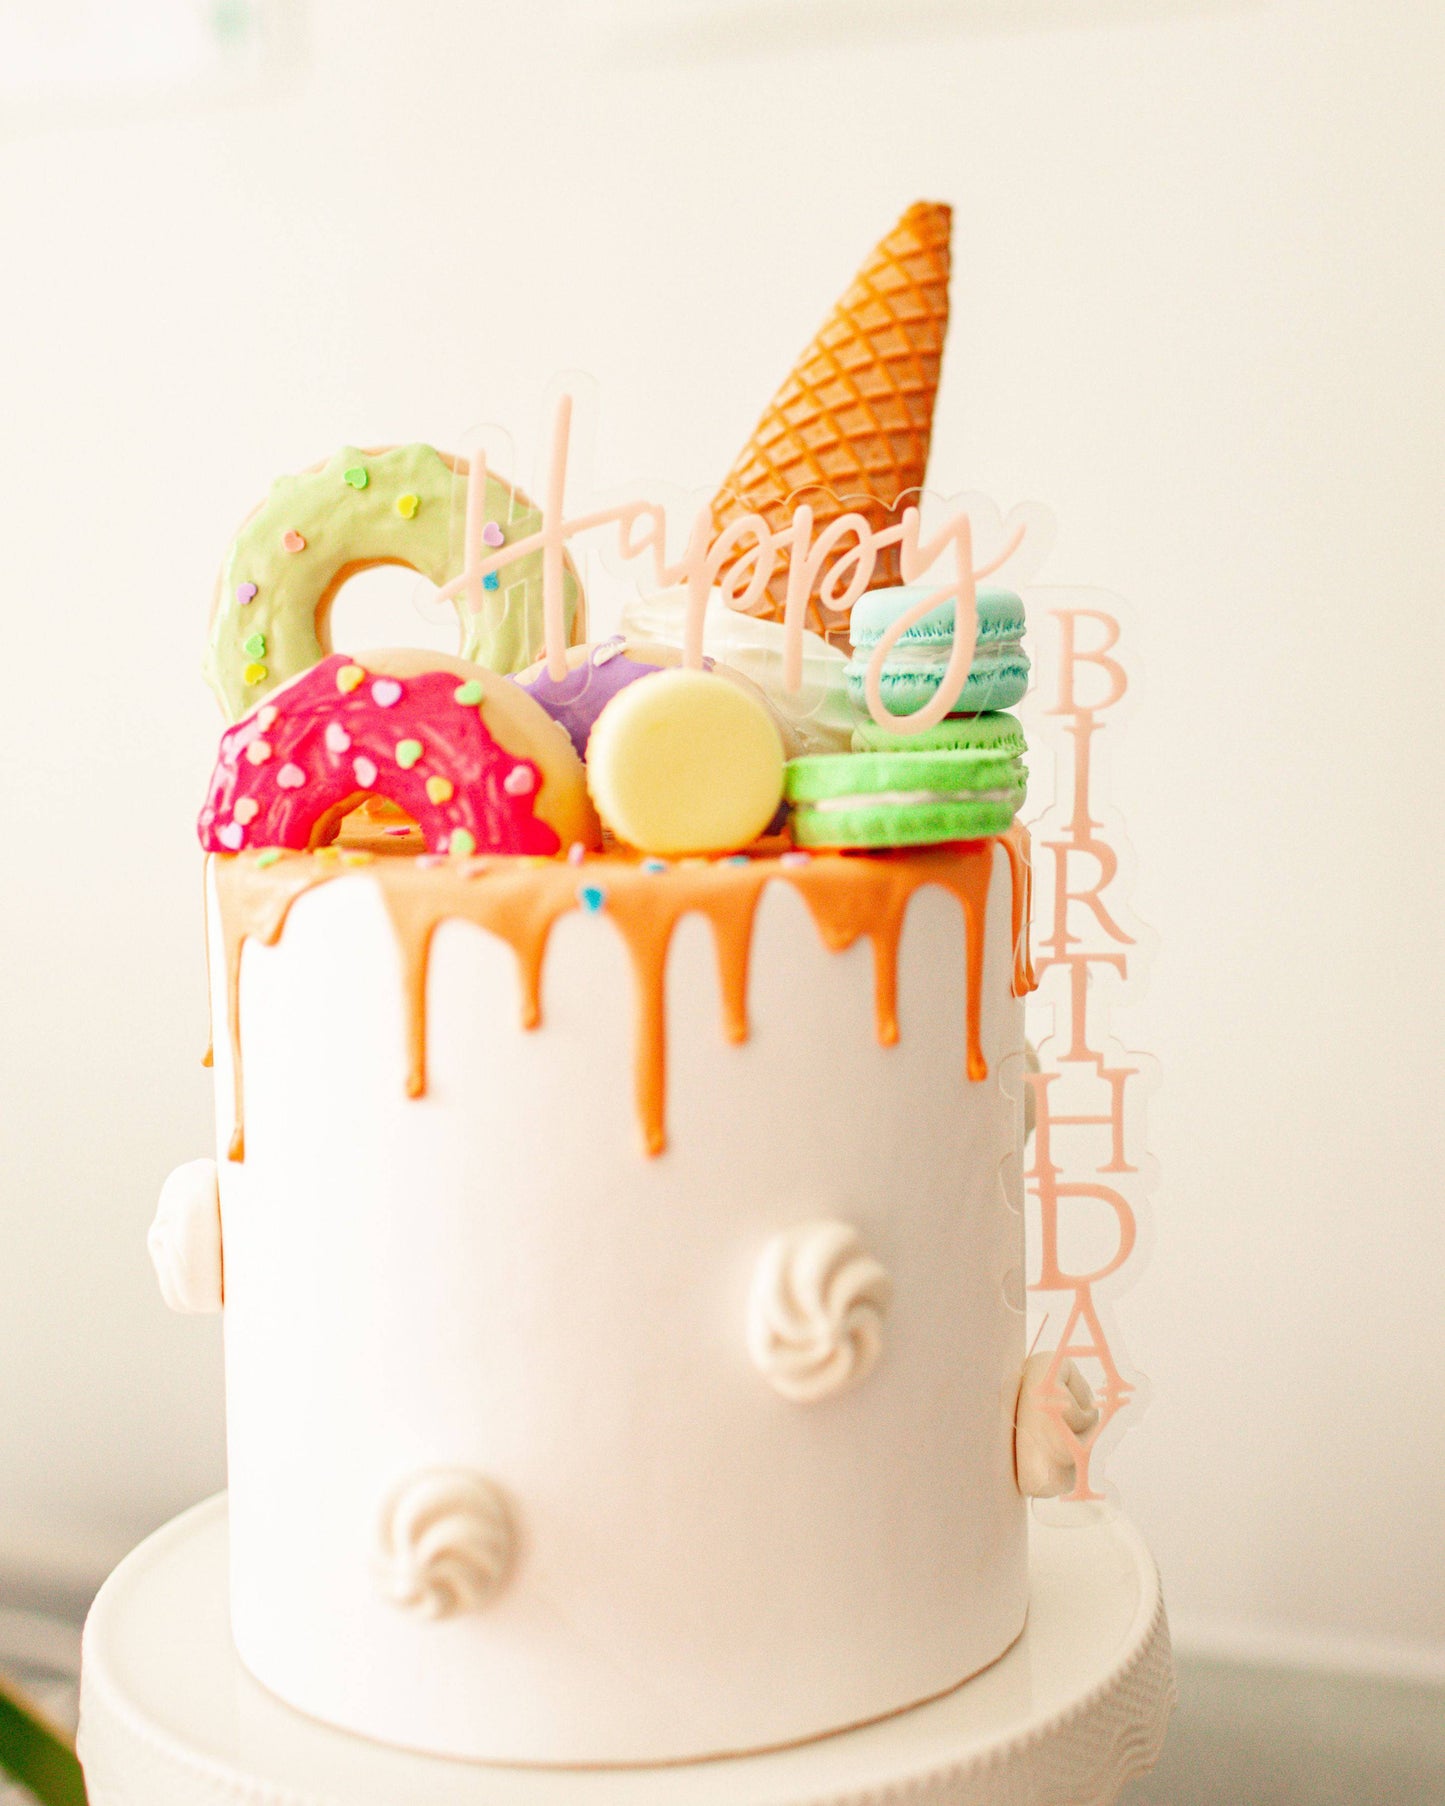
(914, 668)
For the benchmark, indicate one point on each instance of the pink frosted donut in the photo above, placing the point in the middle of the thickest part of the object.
(468, 755)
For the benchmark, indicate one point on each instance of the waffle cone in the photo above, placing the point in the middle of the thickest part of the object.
(848, 430)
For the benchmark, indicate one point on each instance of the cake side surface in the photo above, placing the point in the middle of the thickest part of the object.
(543, 1450)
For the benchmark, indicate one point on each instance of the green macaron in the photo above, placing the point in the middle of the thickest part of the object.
(962, 780)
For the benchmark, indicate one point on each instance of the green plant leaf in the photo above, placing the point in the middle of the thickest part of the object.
(37, 1754)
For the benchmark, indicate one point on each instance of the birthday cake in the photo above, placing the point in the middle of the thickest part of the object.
(617, 1213)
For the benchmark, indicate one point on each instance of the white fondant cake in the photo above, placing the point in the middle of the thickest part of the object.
(617, 1216)
(512, 1473)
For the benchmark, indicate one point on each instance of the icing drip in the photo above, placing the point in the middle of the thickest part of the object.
(519, 899)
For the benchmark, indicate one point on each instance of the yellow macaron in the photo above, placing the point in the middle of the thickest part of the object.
(686, 762)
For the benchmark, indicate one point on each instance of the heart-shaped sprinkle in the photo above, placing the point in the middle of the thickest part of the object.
(269, 857)
(492, 534)
(254, 674)
(592, 897)
(267, 715)
(520, 781)
(407, 505)
(348, 677)
(468, 695)
(440, 790)
(259, 751)
(232, 836)
(245, 592)
(290, 777)
(408, 752)
(385, 692)
(293, 541)
(337, 738)
(462, 844)
(491, 581)
(356, 477)
(246, 810)
(365, 772)
(255, 647)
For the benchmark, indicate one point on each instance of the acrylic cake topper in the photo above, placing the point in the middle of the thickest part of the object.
(826, 570)
(1087, 1167)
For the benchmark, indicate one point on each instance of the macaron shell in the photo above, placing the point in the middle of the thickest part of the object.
(906, 824)
(687, 762)
(1000, 616)
(988, 688)
(991, 732)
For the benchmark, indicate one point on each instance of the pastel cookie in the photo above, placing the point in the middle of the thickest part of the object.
(595, 674)
(467, 755)
(914, 668)
(687, 762)
(404, 505)
(968, 785)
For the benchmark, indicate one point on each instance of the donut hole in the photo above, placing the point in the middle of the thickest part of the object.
(391, 605)
(375, 824)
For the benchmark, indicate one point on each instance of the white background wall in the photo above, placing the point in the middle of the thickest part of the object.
(1198, 309)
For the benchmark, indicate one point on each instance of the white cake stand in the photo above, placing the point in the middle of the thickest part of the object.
(168, 1717)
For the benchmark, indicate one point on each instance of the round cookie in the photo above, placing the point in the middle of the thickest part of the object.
(596, 672)
(686, 763)
(400, 505)
(471, 758)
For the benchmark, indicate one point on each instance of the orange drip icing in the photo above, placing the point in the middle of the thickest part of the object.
(1017, 845)
(519, 900)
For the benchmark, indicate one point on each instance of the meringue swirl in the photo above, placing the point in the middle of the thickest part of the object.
(446, 1543)
(185, 1239)
(815, 1314)
(1049, 1423)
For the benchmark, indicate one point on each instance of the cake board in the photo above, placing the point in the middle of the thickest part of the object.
(168, 1716)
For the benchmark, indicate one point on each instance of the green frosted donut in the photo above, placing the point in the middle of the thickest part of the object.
(403, 504)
